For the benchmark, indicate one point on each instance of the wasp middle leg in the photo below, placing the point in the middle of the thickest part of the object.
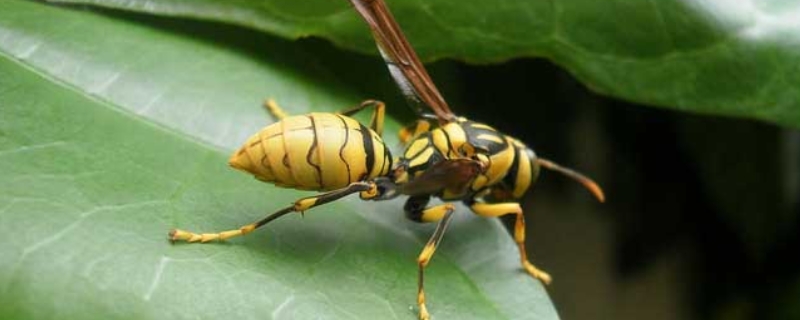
(416, 210)
(500, 209)
(367, 190)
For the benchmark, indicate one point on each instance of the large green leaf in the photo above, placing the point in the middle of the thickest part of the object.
(114, 129)
(712, 57)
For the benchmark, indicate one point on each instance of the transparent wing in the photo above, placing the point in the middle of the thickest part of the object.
(403, 63)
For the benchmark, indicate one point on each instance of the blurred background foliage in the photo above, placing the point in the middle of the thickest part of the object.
(701, 221)
(685, 112)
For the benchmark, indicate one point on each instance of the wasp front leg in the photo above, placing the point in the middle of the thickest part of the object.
(367, 189)
(501, 209)
(415, 210)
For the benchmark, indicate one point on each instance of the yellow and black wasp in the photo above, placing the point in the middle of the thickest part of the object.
(453, 159)
(459, 159)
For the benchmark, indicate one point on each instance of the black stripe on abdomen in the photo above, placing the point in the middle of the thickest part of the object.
(344, 145)
(369, 148)
(312, 150)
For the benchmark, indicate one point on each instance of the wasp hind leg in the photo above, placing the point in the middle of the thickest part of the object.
(367, 190)
(500, 209)
(415, 210)
(378, 114)
(411, 131)
(275, 110)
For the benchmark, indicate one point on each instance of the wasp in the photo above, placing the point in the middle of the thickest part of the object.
(458, 159)
(445, 156)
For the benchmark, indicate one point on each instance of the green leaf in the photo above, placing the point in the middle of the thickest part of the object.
(710, 57)
(116, 128)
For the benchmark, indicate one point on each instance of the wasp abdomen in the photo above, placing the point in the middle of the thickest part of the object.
(317, 151)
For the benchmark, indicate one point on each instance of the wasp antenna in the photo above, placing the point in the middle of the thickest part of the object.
(584, 180)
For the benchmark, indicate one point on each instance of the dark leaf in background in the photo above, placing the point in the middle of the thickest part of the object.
(710, 57)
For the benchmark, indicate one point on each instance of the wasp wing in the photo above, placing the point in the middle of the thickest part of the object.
(454, 176)
(403, 63)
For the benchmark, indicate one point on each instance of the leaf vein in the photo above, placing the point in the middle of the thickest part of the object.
(162, 264)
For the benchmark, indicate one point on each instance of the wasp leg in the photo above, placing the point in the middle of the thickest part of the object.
(275, 110)
(415, 210)
(377, 118)
(367, 190)
(500, 209)
(413, 130)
